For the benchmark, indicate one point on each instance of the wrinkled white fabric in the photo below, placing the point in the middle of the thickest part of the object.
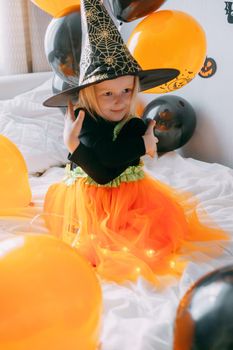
(139, 316)
(36, 130)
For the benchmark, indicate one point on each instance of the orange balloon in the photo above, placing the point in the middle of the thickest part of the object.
(140, 106)
(58, 8)
(15, 191)
(169, 39)
(50, 297)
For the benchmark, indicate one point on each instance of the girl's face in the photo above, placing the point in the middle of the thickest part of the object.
(114, 97)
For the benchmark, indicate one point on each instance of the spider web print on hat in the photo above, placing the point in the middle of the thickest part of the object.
(104, 54)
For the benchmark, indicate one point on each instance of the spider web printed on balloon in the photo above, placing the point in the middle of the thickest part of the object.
(103, 47)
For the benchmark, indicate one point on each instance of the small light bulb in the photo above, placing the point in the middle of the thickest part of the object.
(75, 244)
(125, 249)
(172, 264)
(138, 269)
(150, 253)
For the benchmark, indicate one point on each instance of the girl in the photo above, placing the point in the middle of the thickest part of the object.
(125, 223)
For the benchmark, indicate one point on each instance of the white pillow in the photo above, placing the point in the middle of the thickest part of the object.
(36, 130)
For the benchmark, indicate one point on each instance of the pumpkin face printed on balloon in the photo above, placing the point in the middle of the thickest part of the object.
(164, 120)
(178, 83)
(175, 121)
(63, 46)
(209, 68)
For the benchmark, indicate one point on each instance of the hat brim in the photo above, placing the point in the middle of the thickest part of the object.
(148, 80)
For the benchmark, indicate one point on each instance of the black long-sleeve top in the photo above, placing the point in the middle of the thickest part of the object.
(102, 158)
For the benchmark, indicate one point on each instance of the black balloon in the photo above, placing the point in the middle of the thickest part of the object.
(59, 85)
(175, 121)
(63, 46)
(204, 319)
(129, 10)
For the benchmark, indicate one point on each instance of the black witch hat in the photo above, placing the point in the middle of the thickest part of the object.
(105, 56)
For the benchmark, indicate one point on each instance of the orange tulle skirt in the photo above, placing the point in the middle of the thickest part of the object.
(139, 228)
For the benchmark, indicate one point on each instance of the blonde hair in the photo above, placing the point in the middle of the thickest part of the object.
(87, 99)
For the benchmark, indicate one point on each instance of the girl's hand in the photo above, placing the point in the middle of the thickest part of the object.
(150, 140)
(72, 128)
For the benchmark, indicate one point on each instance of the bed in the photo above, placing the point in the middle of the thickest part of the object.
(136, 315)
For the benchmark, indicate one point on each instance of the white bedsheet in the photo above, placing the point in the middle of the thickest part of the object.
(138, 316)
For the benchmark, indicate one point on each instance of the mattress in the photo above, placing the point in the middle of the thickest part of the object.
(138, 315)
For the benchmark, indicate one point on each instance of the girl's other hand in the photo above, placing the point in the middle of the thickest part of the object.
(72, 128)
(150, 140)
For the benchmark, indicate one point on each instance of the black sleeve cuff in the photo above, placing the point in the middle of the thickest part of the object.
(79, 155)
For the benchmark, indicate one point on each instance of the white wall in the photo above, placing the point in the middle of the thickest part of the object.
(211, 98)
